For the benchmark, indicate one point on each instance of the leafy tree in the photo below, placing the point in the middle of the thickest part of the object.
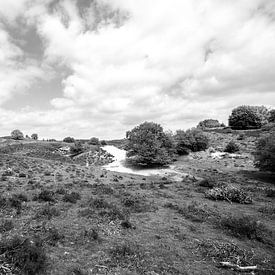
(103, 142)
(34, 136)
(148, 145)
(192, 140)
(17, 134)
(94, 141)
(209, 123)
(271, 116)
(248, 117)
(265, 152)
(68, 139)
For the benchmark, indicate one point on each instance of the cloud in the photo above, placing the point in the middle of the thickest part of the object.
(186, 61)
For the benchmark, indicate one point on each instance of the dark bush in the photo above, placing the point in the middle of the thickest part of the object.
(53, 236)
(94, 141)
(77, 148)
(6, 225)
(192, 140)
(148, 145)
(17, 135)
(271, 116)
(248, 117)
(231, 147)
(45, 195)
(103, 142)
(24, 254)
(48, 211)
(209, 123)
(68, 139)
(72, 197)
(246, 226)
(265, 152)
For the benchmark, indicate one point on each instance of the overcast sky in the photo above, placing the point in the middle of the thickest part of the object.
(97, 68)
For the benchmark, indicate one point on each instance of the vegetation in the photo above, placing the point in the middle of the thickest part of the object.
(265, 152)
(77, 148)
(209, 123)
(94, 141)
(148, 145)
(34, 136)
(69, 139)
(192, 140)
(17, 135)
(271, 116)
(248, 117)
(231, 147)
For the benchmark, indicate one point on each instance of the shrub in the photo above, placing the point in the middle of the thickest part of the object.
(103, 142)
(53, 236)
(248, 117)
(94, 141)
(48, 211)
(246, 226)
(17, 135)
(24, 254)
(191, 140)
(72, 197)
(6, 225)
(229, 193)
(265, 153)
(45, 195)
(34, 136)
(148, 145)
(231, 147)
(68, 139)
(271, 116)
(77, 148)
(209, 123)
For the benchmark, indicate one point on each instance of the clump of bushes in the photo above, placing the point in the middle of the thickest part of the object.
(148, 145)
(231, 147)
(94, 141)
(265, 152)
(209, 123)
(24, 255)
(48, 212)
(77, 148)
(72, 197)
(45, 195)
(17, 135)
(192, 140)
(271, 116)
(248, 117)
(246, 226)
(229, 193)
(68, 139)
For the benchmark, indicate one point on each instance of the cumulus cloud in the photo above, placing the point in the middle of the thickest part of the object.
(185, 61)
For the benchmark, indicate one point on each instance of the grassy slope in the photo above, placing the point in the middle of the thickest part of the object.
(129, 224)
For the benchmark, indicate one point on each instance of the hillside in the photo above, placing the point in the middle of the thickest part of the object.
(86, 220)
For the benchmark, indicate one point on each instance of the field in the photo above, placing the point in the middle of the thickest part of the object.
(60, 216)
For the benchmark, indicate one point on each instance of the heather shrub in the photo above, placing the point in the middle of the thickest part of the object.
(248, 117)
(6, 225)
(231, 147)
(77, 148)
(192, 140)
(148, 145)
(24, 255)
(271, 116)
(229, 193)
(45, 195)
(265, 152)
(72, 197)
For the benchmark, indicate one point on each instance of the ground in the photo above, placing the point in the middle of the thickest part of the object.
(87, 220)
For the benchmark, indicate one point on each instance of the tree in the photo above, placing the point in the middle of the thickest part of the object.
(209, 123)
(248, 117)
(94, 141)
(265, 152)
(192, 140)
(103, 142)
(17, 134)
(148, 145)
(34, 136)
(68, 139)
(271, 116)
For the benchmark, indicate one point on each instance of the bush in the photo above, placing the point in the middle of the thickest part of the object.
(209, 123)
(271, 116)
(34, 136)
(246, 226)
(17, 134)
(24, 254)
(148, 145)
(229, 193)
(6, 225)
(231, 147)
(45, 195)
(265, 153)
(77, 148)
(248, 117)
(68, 139)
(72, 197)
(48, 212)
(103, 142)
(94, 141)
(191, 140)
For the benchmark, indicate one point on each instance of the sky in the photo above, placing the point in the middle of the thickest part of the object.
(87, 68)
